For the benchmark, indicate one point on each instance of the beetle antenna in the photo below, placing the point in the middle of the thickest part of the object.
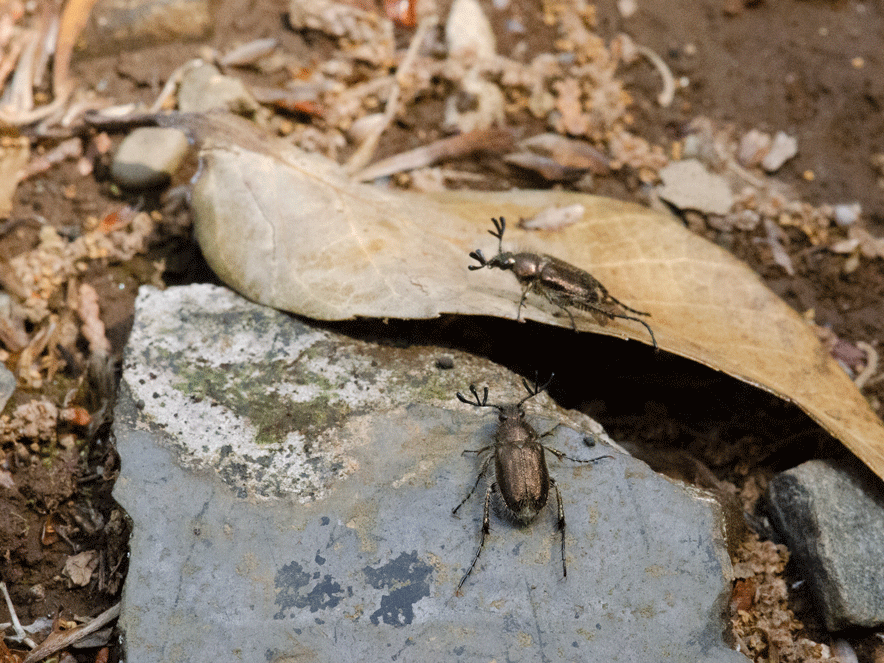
(532, 392)
(481, 401)
(478, 255)
(500, 226)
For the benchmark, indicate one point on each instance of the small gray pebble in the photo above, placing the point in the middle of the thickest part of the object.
(148, 157)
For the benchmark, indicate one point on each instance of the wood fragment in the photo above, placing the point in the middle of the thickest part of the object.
(58, 640)
(667, 95)
(366, 151)
(19, 631)
(491, 140)
(249, 53)
(865, 376)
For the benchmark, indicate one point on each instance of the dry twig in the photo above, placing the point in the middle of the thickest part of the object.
(495, 140)
(365, 151)
(58, 640)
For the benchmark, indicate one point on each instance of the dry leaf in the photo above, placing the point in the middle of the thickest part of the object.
(79, 568)
(287, 229)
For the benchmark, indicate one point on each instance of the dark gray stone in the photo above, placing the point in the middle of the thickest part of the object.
(831, 516)
(291, 492)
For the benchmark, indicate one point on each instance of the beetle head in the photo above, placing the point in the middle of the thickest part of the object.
(503, 259)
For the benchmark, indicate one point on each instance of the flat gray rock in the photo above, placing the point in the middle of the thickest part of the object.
(291, 491)
(832, 517)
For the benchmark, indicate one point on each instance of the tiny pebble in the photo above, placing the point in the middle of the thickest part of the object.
(754, 147)
(37, 592)
(783, 148)
(148, 157)
(842, 650)
(847, 214)
(515, 26)
(627, 8)
(445, 362)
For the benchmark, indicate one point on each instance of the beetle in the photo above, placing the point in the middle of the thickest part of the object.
(521, 476)
(560, 282)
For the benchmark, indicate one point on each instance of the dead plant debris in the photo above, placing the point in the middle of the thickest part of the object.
(55, 479)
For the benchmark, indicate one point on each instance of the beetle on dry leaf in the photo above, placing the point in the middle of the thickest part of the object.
(560, 282)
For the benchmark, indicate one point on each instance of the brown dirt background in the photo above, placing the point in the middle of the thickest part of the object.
(786, 65)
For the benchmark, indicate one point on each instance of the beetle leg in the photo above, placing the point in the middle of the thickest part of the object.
(558, 454)
(566, 310)
(552, 299)
(608, 298)
(482, 473)
(525, 292)
(486, 527)
(561, 524)
(548, 433)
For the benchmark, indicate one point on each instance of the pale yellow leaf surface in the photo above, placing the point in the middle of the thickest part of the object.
(289, 230)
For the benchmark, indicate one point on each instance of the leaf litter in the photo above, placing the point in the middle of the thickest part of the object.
(582, 95)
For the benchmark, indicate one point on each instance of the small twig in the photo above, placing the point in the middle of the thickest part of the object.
(781, 258)
(37, 114)
(58, 640)
(668, 94)
(10, 57)
(248, 53)
(865, 376)
(19, 631)
(365, 152)
(497, 140)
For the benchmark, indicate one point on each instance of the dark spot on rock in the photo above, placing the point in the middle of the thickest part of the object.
(408, 579)
(291, 582)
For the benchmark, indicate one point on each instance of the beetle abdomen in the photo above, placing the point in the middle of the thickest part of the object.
(568, 282)
(523, 480)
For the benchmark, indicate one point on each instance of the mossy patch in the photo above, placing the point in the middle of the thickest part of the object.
(243, 390)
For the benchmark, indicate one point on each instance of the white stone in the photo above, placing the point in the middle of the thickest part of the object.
(783, 148)
(688, 185)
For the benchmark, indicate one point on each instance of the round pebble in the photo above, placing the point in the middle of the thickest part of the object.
(148, 157)
(847, 214)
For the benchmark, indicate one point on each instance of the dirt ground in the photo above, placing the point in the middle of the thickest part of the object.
(811, 68)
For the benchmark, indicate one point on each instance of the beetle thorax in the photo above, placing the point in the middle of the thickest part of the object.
(526, 266)
(513, 430)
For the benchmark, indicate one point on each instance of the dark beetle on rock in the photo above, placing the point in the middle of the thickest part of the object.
(560, 282)
(520, 473)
